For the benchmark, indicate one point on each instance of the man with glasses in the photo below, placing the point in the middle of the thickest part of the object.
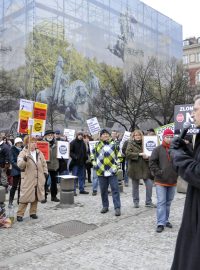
(187, 163)
(165, 179)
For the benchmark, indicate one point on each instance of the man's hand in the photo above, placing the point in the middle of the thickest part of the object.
(177, 143)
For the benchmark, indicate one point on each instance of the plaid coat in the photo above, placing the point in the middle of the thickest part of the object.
(106, 158)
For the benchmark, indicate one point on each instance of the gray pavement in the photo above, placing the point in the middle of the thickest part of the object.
(125, 242)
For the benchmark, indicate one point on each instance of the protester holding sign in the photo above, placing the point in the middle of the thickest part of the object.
(78, 154)
(33, 167)
(138, 168)
(53, 165)
(106, 159)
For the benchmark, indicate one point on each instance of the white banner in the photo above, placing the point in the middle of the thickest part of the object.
(93, 126)
(70, 133)
(149, 144)
(63, 149)
(92, 145)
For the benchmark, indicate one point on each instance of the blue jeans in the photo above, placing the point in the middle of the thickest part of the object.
(135, 190)
(79, 171)
(104, 182)
(95, 181)
(165, 195)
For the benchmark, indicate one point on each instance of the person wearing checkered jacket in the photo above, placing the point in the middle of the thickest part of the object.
(106, 159)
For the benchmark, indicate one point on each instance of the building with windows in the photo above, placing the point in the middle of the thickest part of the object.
(35, 33)
(191, 59)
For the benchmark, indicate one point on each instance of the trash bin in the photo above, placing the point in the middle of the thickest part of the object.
(67, 189)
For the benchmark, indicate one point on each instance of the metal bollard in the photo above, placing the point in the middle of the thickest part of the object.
(2, 194)
(120, 180)
(67, 190)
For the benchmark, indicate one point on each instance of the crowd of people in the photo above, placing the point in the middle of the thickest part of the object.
(25, 171)
(24, 168)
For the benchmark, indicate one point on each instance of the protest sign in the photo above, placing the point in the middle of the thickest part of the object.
(92, 145)
(63, 149)
(69, 133)
(93, 126)
(125, 137)
(27, 124)
(44, 148)
(149, 144)
(182, 114)
(159, 131)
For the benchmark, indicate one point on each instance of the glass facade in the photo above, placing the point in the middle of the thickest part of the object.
(116, 32)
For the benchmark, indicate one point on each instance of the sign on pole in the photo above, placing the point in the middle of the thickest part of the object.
(92, 145)
(149, 144)
(44, 148)
(70, 133)
(159, 131)
(93, 126)
(182, 114)
(63, 149)
(32, 116)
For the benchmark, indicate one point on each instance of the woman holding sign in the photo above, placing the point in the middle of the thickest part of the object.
(138, 168)
(33, 167)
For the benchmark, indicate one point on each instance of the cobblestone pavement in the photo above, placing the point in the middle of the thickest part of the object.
(125, 242)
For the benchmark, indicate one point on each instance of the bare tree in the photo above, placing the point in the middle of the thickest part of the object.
(124, 102)
(167, 87)
(150, 92)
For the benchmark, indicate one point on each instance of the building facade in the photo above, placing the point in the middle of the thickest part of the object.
(191, 59)
(42, 41)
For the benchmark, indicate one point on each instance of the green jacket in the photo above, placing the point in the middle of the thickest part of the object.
(138, 168)
(106, 158)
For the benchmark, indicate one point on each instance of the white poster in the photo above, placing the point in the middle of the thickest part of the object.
(149, 144)
(63, 149)
(126, 137)
(93, 126)
(26, 105)
(70, 133)
(92, 145)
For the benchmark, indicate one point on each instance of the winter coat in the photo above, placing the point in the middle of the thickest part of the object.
(14, 152)
(138, 167)
(106, 161)
(53, 163)
(186, 255)
(4, 153)
(161, 167)
(78, 152)
(32, 176)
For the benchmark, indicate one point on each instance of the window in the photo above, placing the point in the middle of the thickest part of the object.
(186, 42)
(185, 59)
(192, 58)
(198, 57)
(198, 77)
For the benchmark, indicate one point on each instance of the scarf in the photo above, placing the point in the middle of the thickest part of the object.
(166, 146)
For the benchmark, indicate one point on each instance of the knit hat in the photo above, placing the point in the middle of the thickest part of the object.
(168, 132)
(57, 132)
(17, 140)
(47, 132)
(104, 131)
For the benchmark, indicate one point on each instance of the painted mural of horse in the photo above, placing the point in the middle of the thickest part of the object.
(74, 100)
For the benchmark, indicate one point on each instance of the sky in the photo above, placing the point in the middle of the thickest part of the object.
(183, 12)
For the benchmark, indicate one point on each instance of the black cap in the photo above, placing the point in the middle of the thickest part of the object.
(104, 131)
(47, 132)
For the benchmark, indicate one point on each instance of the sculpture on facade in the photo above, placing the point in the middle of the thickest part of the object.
(66, 96)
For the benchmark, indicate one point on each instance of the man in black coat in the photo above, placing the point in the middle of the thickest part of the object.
(187, 164)
(78, 154)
